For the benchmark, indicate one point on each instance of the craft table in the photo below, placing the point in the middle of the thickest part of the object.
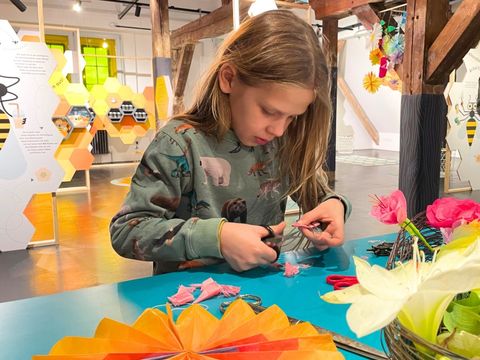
(33, 326)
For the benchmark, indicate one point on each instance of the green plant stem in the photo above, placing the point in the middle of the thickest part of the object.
(412, 230)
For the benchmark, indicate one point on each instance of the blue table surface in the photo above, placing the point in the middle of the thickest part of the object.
(32, 326)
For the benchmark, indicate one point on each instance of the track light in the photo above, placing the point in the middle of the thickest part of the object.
(126, 10)
(77, 6)
(138, 10)
(19, 5)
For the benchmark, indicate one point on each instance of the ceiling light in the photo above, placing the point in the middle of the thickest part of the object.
(138, 10)
(20, 5)
(260, 6)
(105, 44)
(77, 6)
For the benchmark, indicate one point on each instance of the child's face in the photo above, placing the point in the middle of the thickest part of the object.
(260, 114)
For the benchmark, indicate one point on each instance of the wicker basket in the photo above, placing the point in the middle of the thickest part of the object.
(402, 343)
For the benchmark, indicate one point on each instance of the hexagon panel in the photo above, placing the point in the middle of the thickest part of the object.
(80, 116)
(464, 120)
(63, 125)
(30, 153)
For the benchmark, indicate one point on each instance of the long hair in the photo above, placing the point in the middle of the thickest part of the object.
(275, 47)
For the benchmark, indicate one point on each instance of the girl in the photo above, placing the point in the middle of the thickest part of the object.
(257, 132)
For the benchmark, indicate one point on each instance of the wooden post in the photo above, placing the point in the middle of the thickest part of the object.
(180, 75)
(160, 45)
(330, 32)
(423, 110)
(41, 21)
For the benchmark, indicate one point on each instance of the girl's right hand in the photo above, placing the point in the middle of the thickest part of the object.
(242, 247)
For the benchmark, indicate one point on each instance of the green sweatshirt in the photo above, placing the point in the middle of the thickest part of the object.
(185, 185)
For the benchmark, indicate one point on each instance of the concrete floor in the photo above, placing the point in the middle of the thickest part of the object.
(85, 258)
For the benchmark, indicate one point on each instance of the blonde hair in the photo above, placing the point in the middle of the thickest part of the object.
(276, 47)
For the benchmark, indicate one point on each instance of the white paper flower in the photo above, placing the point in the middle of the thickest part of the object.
(416, 292)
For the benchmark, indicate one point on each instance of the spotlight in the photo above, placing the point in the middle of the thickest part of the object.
(138, 10)
(77, 6)
(19, 5)
(105, 44)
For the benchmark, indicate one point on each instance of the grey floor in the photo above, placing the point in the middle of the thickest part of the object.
(84, 257)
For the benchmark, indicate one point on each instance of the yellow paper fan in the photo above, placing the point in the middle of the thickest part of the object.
(371, 82)
(375, 56)
(197, 335)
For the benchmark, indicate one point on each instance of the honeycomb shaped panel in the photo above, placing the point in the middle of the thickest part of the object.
(64, 126)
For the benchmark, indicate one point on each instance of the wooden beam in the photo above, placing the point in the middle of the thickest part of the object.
(366, 15)
(423, 110)
(358, 110)
(337, 8)
(425, 20)
(160, 28)
(461, 33)
(161, 53)
(180, 76)
(218, 22)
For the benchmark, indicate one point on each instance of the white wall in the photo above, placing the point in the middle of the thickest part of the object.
(382, 108)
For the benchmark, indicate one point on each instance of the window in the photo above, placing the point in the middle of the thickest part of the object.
(99, 66)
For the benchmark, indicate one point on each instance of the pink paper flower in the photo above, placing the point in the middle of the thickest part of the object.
(391, 209)
(445, 212)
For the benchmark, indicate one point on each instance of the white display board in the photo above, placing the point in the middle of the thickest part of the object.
(464, 120)
(29, 138)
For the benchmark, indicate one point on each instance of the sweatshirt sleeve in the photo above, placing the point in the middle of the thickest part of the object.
(146, 228)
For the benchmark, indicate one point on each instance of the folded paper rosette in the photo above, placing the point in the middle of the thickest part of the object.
(196, 334)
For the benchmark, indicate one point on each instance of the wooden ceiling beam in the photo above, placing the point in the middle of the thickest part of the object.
(337, 8)
(460, 34)
(366, 15)
(217, 23)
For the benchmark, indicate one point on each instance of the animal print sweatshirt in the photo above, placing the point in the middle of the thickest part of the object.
(184, 186)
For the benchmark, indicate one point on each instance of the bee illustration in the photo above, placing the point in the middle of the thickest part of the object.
(4, 128)
(470, 115)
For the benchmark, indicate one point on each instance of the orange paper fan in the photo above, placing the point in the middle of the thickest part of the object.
(198, 335)
(371, 82)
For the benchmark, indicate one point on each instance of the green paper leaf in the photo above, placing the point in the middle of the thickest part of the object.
(464, 315)
(461, 342)
(390, 28)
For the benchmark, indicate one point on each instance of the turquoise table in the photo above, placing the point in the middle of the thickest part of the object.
(32, 326)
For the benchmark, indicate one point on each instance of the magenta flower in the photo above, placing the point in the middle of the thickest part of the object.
(445, 212)
(391, 209)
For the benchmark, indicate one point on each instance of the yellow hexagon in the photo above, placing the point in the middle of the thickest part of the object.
(97, 92)
(139, 131)
(112, 85)
(59, 58)
(58, 82)
(113, 100)
(139, 101)
(125, 93)
(62, 108)
(76, 94)
(128, 138)
(100, 107)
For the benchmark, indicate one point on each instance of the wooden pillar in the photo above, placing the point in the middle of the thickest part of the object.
(161, 48)
(423, 109)
(180, 75)
(330, 33)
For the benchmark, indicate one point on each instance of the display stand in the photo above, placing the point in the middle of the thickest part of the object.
(54, 241)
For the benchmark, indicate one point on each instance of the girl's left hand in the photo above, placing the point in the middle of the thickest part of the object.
(331, 214)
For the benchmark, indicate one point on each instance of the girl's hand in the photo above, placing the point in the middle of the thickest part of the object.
(331, 214)
(242, 247)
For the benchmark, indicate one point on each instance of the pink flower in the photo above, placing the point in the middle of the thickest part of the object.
(445, 212)
(391, 209)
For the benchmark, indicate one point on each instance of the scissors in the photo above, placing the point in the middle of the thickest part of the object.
(341, 282)
(273, 240)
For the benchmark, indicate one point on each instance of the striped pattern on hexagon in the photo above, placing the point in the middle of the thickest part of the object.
(4, 128)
